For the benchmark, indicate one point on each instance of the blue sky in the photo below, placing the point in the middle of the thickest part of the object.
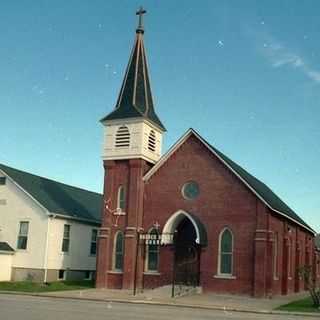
(244, 74)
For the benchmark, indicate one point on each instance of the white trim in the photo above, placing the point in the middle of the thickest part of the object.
(84, 220)
(27, 193)
(7, 252)
(45, 264)
(224, 276)
(219, 273)
(173, 222)
(167, 155)
(127, 121)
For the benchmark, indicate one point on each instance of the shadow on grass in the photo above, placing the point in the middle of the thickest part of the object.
(28, 286)
(303, 305)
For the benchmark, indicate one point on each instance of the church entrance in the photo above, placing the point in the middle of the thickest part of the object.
(186, 255)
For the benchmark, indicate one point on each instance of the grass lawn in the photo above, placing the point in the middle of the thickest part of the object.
(28, 286)
(304, 305)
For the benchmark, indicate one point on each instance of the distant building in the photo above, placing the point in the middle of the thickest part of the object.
(48, 230)
(191, 216)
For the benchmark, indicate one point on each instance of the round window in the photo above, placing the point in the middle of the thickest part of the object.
(190, 190)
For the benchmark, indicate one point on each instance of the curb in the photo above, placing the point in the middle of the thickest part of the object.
(167, 304)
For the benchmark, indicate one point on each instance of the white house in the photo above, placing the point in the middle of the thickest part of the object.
(48, 230)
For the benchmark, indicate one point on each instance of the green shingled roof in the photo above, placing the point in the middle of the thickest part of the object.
(261, 189)
(258, 187)
(57, 197)
(4, 246)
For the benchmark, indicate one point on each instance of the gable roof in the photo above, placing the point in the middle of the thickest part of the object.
(262, 191)
(58, 198)
(135, 98)
(4, 246)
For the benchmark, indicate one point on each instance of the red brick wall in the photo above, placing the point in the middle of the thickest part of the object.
(223, 201)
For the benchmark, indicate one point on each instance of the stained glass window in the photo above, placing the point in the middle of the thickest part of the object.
(118, 251)
(121, 198)
(153, 253)
(226, 252)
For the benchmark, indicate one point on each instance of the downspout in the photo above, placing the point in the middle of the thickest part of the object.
(45, 265)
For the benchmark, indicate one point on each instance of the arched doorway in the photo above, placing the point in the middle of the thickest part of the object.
(186, 254)
(189, 237)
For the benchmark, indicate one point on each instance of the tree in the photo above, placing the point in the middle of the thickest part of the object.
(306, 273)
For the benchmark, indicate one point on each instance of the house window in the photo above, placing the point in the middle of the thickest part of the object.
(152, 141)
(123, 137)
(62, 275)
(2, 181)
(152, 263)
(225, 252)
(66, 238)
(275, 256)
(121, 201)
(93, 245)
(118, 251)
(23, 235)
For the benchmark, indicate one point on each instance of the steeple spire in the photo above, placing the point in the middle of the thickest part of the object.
(135, 98)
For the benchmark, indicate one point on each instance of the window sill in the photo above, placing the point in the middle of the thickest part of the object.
(115, 272)
(152, 273)
(225, 276)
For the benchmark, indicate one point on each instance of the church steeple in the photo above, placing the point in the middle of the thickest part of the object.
(135, 98)
(133, 130)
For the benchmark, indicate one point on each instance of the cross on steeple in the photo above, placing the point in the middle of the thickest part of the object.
(140, 13)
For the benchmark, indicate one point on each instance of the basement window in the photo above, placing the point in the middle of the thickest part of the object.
(88, 275)
(62, 275)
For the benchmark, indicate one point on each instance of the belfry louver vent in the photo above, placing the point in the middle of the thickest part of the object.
(152, 141)
(123, 137)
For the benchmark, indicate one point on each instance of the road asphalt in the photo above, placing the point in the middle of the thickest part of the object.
(17, 307)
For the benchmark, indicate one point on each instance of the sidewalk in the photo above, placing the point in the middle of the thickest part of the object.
(162, 297)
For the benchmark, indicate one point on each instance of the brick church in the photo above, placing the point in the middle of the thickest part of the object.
(191, 216)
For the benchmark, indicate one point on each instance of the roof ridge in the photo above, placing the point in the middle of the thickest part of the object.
(45, 178)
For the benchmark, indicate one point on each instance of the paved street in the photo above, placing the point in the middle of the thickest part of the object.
(14, 307)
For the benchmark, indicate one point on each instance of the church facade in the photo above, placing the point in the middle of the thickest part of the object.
(191, 216)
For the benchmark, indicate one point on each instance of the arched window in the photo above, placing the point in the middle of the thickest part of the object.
(153, 248)
(121, 200)
(225, 252)
(152, 141)
(275, 256)
(118, 251)
(123, 137)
